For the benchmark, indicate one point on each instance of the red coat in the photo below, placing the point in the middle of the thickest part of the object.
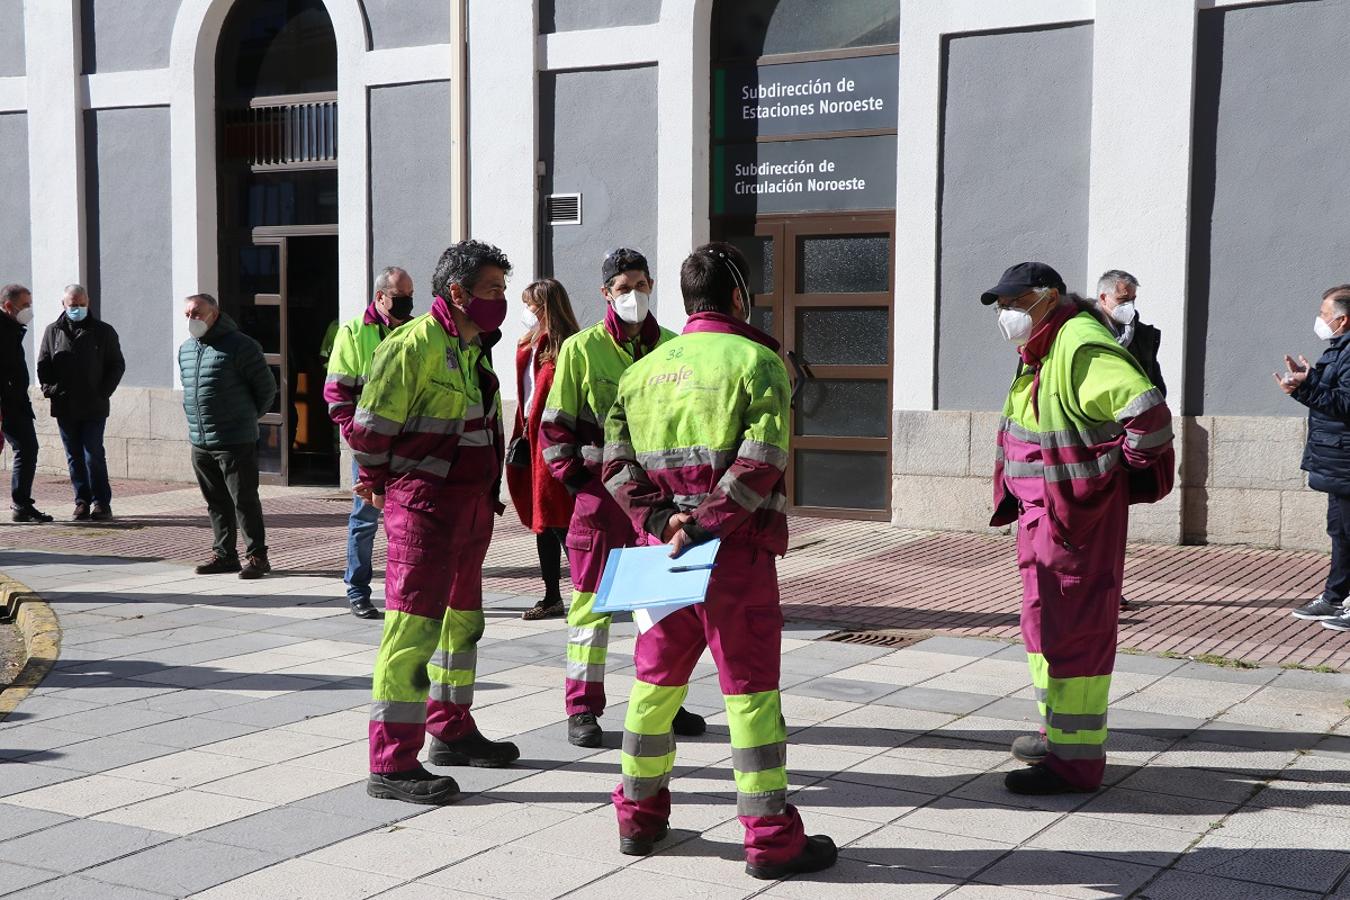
(539, 498)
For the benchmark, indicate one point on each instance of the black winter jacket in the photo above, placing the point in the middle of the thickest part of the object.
(14, 402)
(1326, 393)
(226, 386)
(79, 367)
(1144, 348)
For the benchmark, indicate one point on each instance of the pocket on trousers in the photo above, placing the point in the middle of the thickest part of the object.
(583, 541)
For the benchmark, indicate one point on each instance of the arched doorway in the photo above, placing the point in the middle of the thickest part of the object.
(277, 179)
(804, 96)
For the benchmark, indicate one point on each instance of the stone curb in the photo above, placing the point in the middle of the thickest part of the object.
(41, 635)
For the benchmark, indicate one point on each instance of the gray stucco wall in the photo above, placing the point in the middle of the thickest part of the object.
(408, 23)
(579, 15)
(127, 182)
(126, 35)
(11, 37)
(614, 169)
(410, 180)
(16, 259)
(1015, 147)
(1270, 222)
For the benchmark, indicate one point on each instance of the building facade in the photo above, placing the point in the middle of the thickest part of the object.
(880, 161)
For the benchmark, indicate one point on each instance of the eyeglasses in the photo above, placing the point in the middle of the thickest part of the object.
(1013, 301)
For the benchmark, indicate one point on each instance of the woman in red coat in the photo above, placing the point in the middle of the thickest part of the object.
(544, 505)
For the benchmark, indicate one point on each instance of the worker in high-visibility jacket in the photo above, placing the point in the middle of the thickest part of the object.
(349, 359)
(572, 434)
(428, 439)
(1084, 434)
(695, 448)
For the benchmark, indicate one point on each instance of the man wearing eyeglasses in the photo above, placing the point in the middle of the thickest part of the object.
(1084, 434)
(572, 435)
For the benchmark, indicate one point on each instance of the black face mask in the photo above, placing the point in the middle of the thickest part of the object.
(401, 308)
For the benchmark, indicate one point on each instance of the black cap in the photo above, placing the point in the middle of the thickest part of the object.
(623, 260)
(1021, 278)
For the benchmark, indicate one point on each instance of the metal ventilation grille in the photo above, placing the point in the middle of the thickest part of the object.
(562, 209)
(880, 638)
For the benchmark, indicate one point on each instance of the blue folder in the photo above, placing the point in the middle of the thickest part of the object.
(645, 577)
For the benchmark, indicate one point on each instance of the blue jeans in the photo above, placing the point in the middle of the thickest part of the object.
(85, 460)
(22, 439)
(362, 524)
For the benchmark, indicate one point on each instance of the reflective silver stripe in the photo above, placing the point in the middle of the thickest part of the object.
(462, 659)
(400, 711)
(370, 421)
(687, 502)
(1034, 469)
(1097, 434)
(476, 439)
(588, 637)
(1075, 721)
(1099, 466)
(474, 411)
(740, 492)
(618, 450)
(580, 671)
(435, 466)
(592, 454)
(776, 503)
(552, 414)
(1017, 431)
(1141, 404)
(433, 425)
(1077, 751)
(402, 464)
(766, 453)
(620, 478)
(458, 694)
(648, 744)
(769, 803)
(370, 459)
(339, 404)
(635, 788)
(343, 379)
(1042, 694)
(758, 759)
(686, 456)
(1152, 439)
(555, 452)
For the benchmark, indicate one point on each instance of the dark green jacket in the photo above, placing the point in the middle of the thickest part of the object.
(226, 386)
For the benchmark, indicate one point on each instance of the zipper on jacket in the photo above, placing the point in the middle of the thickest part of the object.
(197, 390)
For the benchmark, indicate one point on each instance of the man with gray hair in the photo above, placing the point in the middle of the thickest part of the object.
(16, 410)
(349, 362)
(1116, 298)
(79, 366)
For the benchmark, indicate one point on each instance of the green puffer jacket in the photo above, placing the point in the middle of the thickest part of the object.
(226, 386)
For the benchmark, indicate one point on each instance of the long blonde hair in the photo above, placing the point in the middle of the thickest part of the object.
(556, 319)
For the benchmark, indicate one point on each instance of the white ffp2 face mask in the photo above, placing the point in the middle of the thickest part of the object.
(24, 316)
(1015, 325)
(632, 307)
(528, 318)
(1323, 329)
(1124, 312)
(197, 328)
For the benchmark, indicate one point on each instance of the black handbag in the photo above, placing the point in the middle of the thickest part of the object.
(518, 452)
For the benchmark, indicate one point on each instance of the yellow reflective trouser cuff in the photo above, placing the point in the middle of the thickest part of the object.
(648, 752)
(758, 752)
(587, 639)
(452, 669)
(1074, 710)
(401, 663)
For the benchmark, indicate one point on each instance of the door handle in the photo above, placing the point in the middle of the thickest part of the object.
(801, 372)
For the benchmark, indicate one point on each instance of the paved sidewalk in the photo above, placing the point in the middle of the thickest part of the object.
(1226, 601)
(204, 734)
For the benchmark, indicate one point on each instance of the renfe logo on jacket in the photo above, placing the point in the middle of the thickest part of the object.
(678, 377)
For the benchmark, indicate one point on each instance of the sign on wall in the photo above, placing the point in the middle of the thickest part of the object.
(806, 98)
(804, 176)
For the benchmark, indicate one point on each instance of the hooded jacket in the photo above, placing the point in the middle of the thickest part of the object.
(1326, 393)
(79, 366)
(14, 402)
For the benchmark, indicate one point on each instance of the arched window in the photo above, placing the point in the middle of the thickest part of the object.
(272, 48)
(749, 29)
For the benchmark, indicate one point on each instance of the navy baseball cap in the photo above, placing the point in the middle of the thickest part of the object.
(1021, 278)
(623, 260)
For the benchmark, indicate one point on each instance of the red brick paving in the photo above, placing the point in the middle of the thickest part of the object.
(1228, 601)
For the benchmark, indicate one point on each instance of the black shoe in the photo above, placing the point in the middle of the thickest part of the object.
(1338, 623)
(688, 724)
(30, 514)
(81, 512)
(256, 566)
(218, 564)
(473, 750)
(364, 609)
(1038, 781)
(641, 846)
(1320, 609)
(1030, 749)
(545, 609)
(100, 512)
(1124, 603)
(819, 853)
(584, 731)
(415, 786)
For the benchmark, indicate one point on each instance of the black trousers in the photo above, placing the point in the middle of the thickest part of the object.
(228, 477)
(22, 440)
(1338, 529)
(549, 544)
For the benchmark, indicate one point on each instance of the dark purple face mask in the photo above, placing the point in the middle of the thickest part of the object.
(486, 313)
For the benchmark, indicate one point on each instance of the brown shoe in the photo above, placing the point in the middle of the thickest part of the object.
(81, 513)
(255, 566)
(218, 564)
(99, 512)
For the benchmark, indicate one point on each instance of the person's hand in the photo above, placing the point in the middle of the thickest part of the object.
(676, 536)
(377, 501)
(368, 495)
(1296, 373)
(673, 525)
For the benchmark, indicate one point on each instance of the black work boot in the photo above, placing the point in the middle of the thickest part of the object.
(1039, 780)
(414, 786)
(218, 564)
(473, 750)
(255, 566)
(819, 853)
(688, 724)
(641, 846)
(583, 730)
(30, 514)
(364, 609)
(1031, 749)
